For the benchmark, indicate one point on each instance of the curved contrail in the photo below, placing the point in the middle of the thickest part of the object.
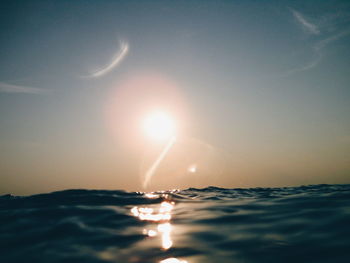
(117, 58)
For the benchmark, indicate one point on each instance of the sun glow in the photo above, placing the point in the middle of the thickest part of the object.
(159, 126)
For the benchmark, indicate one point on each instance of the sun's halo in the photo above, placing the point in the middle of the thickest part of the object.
(159, 126)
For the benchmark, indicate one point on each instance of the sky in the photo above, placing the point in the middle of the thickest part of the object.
(258, 92)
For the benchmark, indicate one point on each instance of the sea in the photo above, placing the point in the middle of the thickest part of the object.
(289, 224)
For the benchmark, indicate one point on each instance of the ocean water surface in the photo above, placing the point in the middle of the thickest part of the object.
(293, 224)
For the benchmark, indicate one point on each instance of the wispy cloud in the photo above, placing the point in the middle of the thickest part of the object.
(307, 25)
(117, 58)
(311, 64)
(324, 42)
(320, 43)
(11, 88)
(318, 52)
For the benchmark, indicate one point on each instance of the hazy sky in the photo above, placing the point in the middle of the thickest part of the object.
(259, 91)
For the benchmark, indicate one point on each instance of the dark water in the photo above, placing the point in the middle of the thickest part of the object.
(300, 224)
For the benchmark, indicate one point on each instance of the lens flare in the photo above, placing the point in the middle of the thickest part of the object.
(192, 168)
(150, 172)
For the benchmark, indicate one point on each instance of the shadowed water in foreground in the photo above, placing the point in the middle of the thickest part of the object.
(304, 224)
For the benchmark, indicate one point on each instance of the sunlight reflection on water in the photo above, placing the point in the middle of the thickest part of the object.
(173, 260)
(259, 225)
(162, 217)
(146, 213)
(165, 230)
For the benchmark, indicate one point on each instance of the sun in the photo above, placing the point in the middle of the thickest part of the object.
(159, 126)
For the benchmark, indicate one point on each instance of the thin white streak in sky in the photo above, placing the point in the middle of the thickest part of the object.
(11, 88)
(317, 58)
(318, 52)
(117, 58)
(155, 165)
(312, 28)
(323, 43)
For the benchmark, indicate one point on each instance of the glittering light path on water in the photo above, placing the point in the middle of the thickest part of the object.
(209, 225)
(162, 217)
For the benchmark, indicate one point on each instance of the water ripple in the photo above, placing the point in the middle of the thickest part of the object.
(306, 224)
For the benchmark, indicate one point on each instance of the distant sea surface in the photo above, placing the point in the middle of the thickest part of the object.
(294, 224)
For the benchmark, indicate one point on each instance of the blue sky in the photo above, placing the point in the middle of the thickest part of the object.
(261, 90)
